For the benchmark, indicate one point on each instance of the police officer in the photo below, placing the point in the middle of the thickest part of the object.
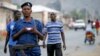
(10, 27)
(28, 30)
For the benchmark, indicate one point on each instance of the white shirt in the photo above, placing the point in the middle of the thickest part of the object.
(89, 27)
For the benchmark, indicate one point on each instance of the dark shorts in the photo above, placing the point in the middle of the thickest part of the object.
(54, 48)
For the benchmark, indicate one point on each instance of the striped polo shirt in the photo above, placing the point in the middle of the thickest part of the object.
(54, 30)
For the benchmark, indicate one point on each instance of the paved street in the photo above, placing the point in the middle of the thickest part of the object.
(75, 45)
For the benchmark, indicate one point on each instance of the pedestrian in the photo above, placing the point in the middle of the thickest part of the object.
(89, 29)
(28, 30)
(89, 26)
(54, 30)
(10, 27)
(97, 26)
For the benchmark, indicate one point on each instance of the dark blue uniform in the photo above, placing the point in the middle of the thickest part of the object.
(29, 37)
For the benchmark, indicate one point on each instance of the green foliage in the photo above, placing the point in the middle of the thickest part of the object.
(74, 14)
(81, 14)
(18, 6)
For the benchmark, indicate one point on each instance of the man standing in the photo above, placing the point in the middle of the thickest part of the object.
(28, 31)
(54, 29)
(97, 26)
(10, 27)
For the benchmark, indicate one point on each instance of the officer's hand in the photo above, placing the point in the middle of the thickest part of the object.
(5, 50)
(23, 30)
(34, 30)
(44, 45)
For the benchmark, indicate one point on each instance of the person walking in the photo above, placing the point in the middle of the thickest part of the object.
(54, 30)
(10, 27)
(97, 26)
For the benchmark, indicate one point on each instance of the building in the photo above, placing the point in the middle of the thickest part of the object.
(42, 13)
(9, 1)
(6, 12)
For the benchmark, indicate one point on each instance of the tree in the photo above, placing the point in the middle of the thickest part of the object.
(83, 13)
(97, 14)
(74, 14)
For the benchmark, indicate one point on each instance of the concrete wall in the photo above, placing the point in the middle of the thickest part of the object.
(42, 16)
(9, 1)
(37, 15)
(5, 14)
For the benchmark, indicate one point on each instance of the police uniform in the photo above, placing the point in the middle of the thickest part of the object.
(28, 37)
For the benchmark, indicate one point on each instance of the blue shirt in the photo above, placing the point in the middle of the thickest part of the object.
(54, 30)
(10, 27)
(27, 37)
